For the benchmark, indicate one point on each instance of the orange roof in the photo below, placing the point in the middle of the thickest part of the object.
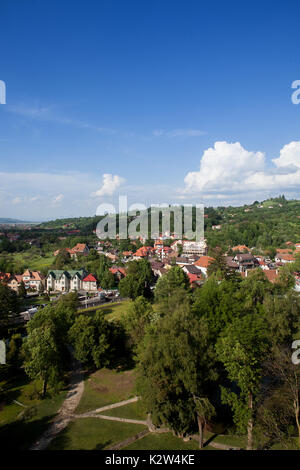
(33, 275)
(240, 248)
(79, 247)
(287, 257)
(143, 251)
(115, 270)
(204, 261)
(272, 275)
(283, 251)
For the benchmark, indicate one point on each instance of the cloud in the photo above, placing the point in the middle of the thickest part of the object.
(231, 169)
(289, 155)
(58, 199)
(110, 184)
(223, 166)
(47, 113)
(178, 133)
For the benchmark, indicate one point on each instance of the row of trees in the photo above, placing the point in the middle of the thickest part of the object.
(228, 343)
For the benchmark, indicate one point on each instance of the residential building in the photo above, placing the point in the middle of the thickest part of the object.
(203, 262)
(70, 280)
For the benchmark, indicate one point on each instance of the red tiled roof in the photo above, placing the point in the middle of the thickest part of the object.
(286, 257)
(115, 270)
(194, 277)
(89, 278)
(204, 261)
(272, 275)
(79, 247)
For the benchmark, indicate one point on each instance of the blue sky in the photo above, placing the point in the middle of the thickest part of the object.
(173, 101)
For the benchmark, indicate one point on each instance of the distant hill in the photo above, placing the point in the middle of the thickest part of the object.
(4, 221)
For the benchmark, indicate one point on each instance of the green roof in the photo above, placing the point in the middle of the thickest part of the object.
(70, 273)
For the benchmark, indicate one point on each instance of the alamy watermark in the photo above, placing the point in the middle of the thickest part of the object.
(296, 354)
(296, 94)
(2, 352)
(2, 92)
(138, 221)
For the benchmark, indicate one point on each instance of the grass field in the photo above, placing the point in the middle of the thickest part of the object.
(32, 260)
(105, 387)
(164, 441)
(113, 311)
(93, 434)
(21, 425)
(132, 411)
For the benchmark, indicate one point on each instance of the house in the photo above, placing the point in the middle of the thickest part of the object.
(272, 275)
(113, 257)
(246, 261)
(263, 265)
(157, 268)
(33, 279)
(203, 262)
(285, 258)
(231, 263)
(119, 273)
(89, 283)
(182, 260)
(284, 251)
(68, 280)
(196, 279)
(194, 247)
(191, 269)
(81, 249)
(143, 252)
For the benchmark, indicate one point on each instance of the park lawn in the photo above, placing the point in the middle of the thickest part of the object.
(19, 425)
(230, 440)
(131, 411)
(165, 441)
(105, 387)
(113, 311)
(93, 434)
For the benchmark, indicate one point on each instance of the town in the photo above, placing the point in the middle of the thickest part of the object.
(123, 288)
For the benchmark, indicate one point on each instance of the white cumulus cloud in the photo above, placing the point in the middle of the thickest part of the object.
(223, 166)
(231, 169)
(110, 183)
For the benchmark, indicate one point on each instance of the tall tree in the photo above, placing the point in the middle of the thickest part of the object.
(241, 349)
(137, 318)
(42, 356)
(176, 370)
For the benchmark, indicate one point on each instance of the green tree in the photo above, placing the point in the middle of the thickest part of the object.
(137, 281)
(62, 259)
(108, 280)
(241, 348)
(42, 356)
(91, 339)
(137, 318)
(22, 290)
(173, 279)
(8, 303)
(176, 371)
